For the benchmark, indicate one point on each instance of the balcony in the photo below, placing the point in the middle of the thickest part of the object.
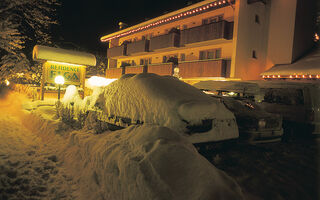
(114, 72)
(161, 69)
(165, 42)
(205, 68)
(208, 32)
(138, 48)
(135, 69)
(117, 52)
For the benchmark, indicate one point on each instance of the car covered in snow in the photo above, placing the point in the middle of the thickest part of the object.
(255, 124)
(166, 101)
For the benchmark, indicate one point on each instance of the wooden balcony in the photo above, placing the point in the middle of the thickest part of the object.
(165, 42)
(138, 47)
(135, 69)
(207, 32)
(161, 69)
(205, 68)
(117, 52)
(114, 72)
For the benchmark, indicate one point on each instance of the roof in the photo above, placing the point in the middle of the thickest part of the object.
(62, 55)
(234, 86)
(194, 9)
(308, 65)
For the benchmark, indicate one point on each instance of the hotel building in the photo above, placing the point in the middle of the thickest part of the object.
(232, 39)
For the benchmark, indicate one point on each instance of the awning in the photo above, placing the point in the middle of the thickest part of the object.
(63, 55)
(306, 67)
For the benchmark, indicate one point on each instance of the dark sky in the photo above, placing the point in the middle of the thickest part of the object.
(83, 22)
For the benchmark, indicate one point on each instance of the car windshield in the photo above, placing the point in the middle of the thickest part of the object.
(240, 105)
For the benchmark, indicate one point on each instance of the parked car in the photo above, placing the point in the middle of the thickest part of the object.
(166, 101)
(255, 125)
(243, 89)
(297, 102)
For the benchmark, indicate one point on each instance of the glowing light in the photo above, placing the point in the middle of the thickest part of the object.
(297, 76)
(268, 76)
(96, 81)
(310, 76)
(263, 76)
(7, 82)
(290, 76)
(318, 76)
(303, 76)
(273, 76)
(279, 76)
(316, 37)
(59, 80)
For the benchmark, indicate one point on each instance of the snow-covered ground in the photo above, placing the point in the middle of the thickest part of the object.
(29, 167)
(140, 162)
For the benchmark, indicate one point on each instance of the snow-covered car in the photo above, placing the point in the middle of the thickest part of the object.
(255, 124)
(166, 101)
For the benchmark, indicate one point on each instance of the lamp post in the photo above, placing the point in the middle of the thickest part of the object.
(60, 81)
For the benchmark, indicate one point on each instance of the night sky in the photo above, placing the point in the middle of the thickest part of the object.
(83, 22)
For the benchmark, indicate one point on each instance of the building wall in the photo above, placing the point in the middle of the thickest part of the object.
(250, 39)
(190, 22)
(281, 32)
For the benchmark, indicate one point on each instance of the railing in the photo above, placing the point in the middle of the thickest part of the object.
(138, 47)
(114, 72)
(164, 41)
(205, 68)
(135, 69)
(116, 51)
(217, 30)
(161, 69)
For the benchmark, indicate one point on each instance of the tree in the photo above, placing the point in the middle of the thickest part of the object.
(24, 23)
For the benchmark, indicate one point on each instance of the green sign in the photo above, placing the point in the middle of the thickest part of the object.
(71, 73)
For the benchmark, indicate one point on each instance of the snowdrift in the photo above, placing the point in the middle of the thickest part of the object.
(144, 162)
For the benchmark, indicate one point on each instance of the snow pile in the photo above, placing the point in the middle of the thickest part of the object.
(160, 100)
(144, 162)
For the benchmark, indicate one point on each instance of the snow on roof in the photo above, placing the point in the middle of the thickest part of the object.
(62, 55)
(144, 162)
(162, 100)
(308, 65)
(235, 86)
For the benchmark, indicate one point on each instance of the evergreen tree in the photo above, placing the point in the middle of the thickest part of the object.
(23, 24)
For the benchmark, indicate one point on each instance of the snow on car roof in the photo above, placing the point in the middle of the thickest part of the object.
(162, 100)
(235, 86)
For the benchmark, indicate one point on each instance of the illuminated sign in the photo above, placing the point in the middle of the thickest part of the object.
(73, 74)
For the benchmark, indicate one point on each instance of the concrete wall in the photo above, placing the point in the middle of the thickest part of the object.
(250, 36)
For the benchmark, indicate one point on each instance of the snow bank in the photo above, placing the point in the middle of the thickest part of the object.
(144, 162)
(160, 100)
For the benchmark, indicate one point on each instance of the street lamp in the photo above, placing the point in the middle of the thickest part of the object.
(60, 81)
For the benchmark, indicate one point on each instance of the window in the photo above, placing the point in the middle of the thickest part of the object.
(257, 20)
(212, 19)
(254, 55)
(182, 57)
(284, 96)
(133, 63)
(150, 60)
(202, 55)
(141, 61)
(164, 59)
(210, 54)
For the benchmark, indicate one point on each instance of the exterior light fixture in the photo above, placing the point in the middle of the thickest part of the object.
(7, 82)
(60, 81)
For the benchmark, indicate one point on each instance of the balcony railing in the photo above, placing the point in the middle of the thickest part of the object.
(135, 69)
(140, 46)
(117, 51)
(161, 69)
(114, 72)
(164, 41)
(205, 68)
(213, 31)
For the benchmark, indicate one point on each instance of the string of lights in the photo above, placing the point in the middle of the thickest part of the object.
(195, 11)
